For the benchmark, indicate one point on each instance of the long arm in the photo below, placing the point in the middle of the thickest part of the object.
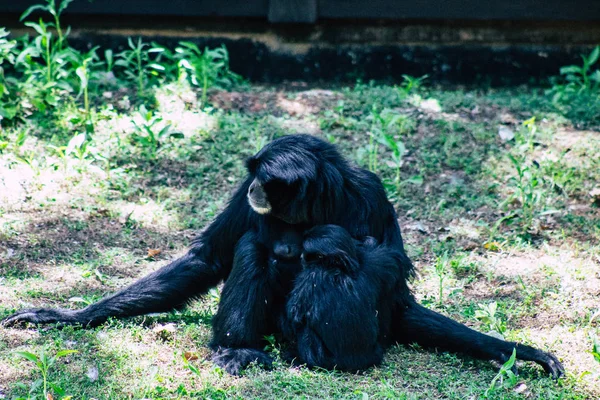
(246, 309)
(204, 266)
(417, 324)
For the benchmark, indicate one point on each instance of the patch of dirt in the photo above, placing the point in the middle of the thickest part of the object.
(297, 104)
(54, 236)
(568, 138)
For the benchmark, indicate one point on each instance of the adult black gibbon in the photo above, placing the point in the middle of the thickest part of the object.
(301, 181)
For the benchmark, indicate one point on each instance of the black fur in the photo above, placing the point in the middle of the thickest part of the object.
(299, 180)
(338, 314)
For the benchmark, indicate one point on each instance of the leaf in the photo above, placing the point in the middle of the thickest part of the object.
(415, 180)
(511, 361)
(82, 74)
(32, 9)
(492, 246)
(156, 66)
(153, 252)
(570, 69)
(8, 111)
(27, 355)
(594, 56)
(63, 353)
(79, 299)
(75, 143)
(39, 28)
(191, 46)
(185, 64)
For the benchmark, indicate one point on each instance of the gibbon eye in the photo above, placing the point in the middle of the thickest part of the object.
(311, 257)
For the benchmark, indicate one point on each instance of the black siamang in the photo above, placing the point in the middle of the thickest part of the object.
(301, 181)
(339, 312)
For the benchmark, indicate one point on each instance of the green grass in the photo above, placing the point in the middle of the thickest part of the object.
(77, 226)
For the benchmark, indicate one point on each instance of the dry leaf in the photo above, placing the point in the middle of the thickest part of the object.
(492, 246)
(153, 252)
(189, 356)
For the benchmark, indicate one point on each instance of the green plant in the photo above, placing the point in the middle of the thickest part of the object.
(528, 193)
(152, 132)
(487, 314)
(55, 10)
(409, 85)
(206, 68)
(505, 371)
(54, 54)
(398, 150)
(579, 78)
(595, 347)
(79, 148)
(83, 71)
(386, 125)
(441, 271)
(46, 60)
(44, 363)
(8, 108)
(137, 64)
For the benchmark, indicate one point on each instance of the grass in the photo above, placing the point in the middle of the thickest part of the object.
(80, 223)
(109, 165)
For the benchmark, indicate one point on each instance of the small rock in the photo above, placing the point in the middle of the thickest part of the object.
(496, 335)
(595, 194)
(520, 388)
(431, 105)
(165, 332)
(92, 373)
(506, 133)
(418, 226)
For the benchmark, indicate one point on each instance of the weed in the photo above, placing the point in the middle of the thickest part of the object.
(386, 126)
(53, 9)
(206, 68)
(83, 71)
(529, 191)
(136, 63)
(580, 79)
(409, 85)
(487, 314)
(152, 132)
(44, 363)
(595, 347)
(8, 108)
(575, 92)
(506, 371)
(441, 271)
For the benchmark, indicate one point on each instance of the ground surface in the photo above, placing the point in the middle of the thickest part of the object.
(501, 220)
